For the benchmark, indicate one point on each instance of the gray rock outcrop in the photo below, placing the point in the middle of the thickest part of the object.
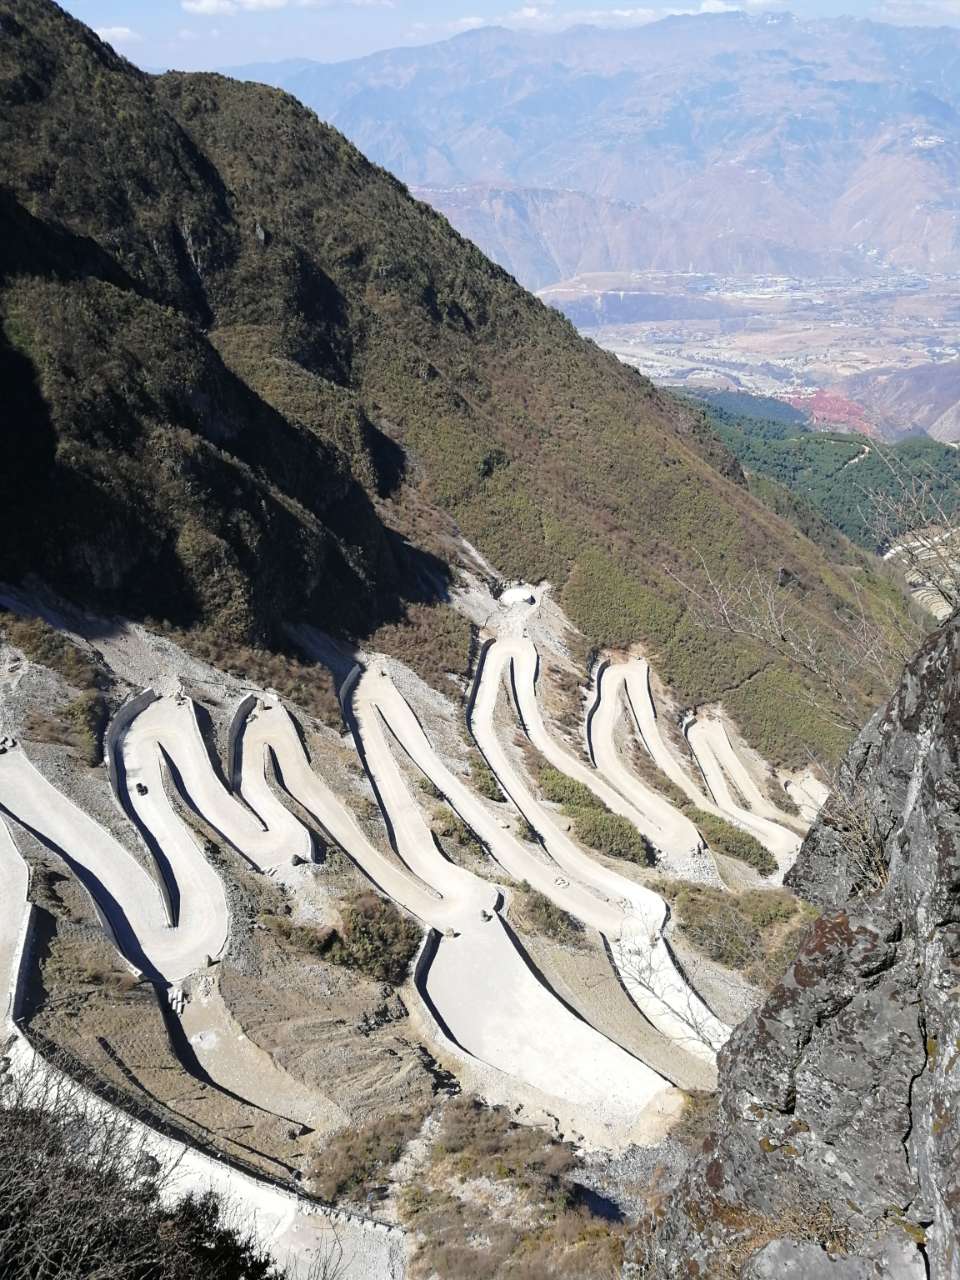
(837, 1151)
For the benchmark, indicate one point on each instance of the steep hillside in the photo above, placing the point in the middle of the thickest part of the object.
(837, 1133)
(541, 236)
(756, 144)
(925, 398)
(260, 383)
(836, 474)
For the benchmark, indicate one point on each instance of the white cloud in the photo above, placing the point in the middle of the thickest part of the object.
(209, 6)
(228, 8)
(921, 13)
(119, 35)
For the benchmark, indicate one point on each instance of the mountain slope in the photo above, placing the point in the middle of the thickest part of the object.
(836, 473)
(262, 383)
(759, 144)
(925, 398)
(837, 1126)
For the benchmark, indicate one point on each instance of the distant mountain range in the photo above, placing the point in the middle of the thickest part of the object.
(717, 143)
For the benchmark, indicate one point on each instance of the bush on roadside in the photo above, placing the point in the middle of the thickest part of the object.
(355, 1160)
(593, 823)
(82, 1195)
(47, 646)
(541, 1227)
(613, 835)
(308, 684)
(757, 932)
(723, 837)
(544, 917)
(87, 715)
(450, 826)
(483, 779)
(376, 938)
(560, 789)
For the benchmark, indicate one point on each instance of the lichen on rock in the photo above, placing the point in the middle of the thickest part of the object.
(837, 1150)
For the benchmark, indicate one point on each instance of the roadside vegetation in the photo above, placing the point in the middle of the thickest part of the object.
(448, 825)
(375, 938)
(81, 1196)
(307, 684)
(483, 779)
(78, 723)
(593, 823)
(537, 914)
(540, 1227)
(352, 1165)
(723, 837)
(434, 640)
(49, 647)
(756, 932)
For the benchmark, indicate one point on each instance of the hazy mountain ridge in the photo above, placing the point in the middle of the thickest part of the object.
(753, 144)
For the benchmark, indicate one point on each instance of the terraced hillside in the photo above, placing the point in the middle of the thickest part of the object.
(257, 383)
(278, 952)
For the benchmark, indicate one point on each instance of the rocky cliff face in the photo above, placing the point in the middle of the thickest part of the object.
(838, 1144)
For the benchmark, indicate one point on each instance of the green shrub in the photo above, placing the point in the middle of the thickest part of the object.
(308, 684)
(484, 780)
(88, 715)
(593, 823)
(723, 837)
(376, 938)
(544, 917)
(611, 834)
(757, 931)
(450, 826)
(434, 640)
(354, 1160)
(47, 646)
(558, 788)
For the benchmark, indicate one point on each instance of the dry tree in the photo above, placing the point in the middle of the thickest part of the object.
(836, 656)
(916, 525)
(86, 1194)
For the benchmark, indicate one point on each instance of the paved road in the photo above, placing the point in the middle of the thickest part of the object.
(719, 762)
(715, 756)
(631, 917)
(14, 884)
(481, 984)
(128, 899)
(295, 1232)
(680, 844)
(167, 731)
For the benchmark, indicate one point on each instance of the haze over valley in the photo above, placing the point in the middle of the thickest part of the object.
(754, 201)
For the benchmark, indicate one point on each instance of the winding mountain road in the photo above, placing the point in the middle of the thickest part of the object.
(717, 760)
(680, 845)
(630, 916)
(719, 764)
(129, 901)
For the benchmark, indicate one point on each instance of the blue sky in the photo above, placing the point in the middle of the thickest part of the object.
(193, 34)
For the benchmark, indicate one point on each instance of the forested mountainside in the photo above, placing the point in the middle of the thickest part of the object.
(832, 476)
(256, 382)
(746, 143)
